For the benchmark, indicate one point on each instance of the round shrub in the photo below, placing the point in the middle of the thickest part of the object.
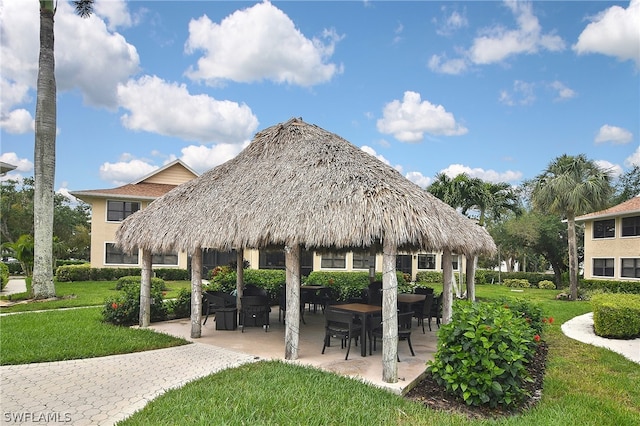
(125, 308)
(180, 307)
(483, 353)
(4, 275)
(547, 285)
(516, 283)
(128, 280)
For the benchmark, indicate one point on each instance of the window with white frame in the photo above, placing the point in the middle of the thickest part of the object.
(360, 260)
(164, 259)
(115, 256)
(604, 228)
(333, 261)
(427, 261)
(631, 226)
(630, 268)
(454, 261)
(603, 267)
(117, 211)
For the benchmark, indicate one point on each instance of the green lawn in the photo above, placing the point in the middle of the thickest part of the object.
(584, 385)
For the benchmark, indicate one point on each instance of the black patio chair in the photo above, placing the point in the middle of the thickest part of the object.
(282, 308)
(423, 310)
(213, 301)
(375, 293)
(405, 320)
(255, 309)
(340, 325)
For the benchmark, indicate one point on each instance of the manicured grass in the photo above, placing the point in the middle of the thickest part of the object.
(71, 334)
(84, 293)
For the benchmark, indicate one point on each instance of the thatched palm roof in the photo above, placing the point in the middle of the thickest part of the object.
(298, 183)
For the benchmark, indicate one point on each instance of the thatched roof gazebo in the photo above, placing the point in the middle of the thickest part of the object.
(297, 185)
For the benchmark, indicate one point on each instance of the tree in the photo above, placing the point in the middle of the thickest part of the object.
(628, 185)
(22, 249)
(45, 150)
(572, 186)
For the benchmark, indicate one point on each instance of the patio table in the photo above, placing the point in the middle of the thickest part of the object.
(405, 300)
(363, 310)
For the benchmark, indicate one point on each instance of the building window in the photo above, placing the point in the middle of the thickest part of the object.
(630, 268)
(426, 261)
(333, 261)
(115, 256)
(360, 260)
(117, 211)
(165, 259)
(271, 259)
(603, 267)
(631, 226)
(403, 263)
(454, 262)
(604, 228)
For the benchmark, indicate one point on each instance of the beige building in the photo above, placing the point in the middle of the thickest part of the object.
(109, 207)
(612, 242)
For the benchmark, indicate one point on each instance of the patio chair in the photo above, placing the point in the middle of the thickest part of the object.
(436, 310)
(282, 308)
(423, 310)
(213, 301)
(340, 325)
(375, 293)
(255, 309)
(405, 320)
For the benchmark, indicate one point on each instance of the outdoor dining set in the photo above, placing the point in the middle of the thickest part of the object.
(358, 319)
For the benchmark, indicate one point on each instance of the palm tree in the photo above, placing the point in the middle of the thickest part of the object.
(571, 186)
(45, 150)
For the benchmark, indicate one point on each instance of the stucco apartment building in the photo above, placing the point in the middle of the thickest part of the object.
(109, 207)
(612, 242)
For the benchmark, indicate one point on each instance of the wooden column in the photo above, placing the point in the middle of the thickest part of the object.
(292, 295)
(389, 313)
(471, 279)
(196, 293)
(372, 263)
(239, 277)
(447, 291)
(145, 290)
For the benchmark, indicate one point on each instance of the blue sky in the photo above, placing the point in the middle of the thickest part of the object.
(493, 89)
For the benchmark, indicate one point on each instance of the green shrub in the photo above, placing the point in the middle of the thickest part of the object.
(4, 275)
(348, 285)
(429, 277)
(483, 353)
(125, 308)
(180, 307)
(15, 268)
(611, 286)
(155, 282)
(616, 315)
(516, 283)
(172, 274)
(532, 313)
(493, 277)
(63, 262)
(546, 284)
(68, 273)
(224, 278)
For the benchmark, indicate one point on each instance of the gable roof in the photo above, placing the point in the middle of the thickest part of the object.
(627, 208)
(139, 189)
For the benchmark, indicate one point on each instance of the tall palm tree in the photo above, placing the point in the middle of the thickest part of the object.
(45, 150)
(571, 186)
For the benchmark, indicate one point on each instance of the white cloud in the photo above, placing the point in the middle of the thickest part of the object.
(497, 43)
(522, 94)
(614, 169)
(17, 121)
(169, 109)
(115, 12)
(124, 172)
(615, 135)
(22, 164)
(613, 32)
(202, 158)
(563, 92)
(88, 56)
(419, 179)
(257, 43)
(408, 120)
(487, 175)
(633, 159)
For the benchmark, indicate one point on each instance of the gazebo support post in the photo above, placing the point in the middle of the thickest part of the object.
(471, 272)
(389, 313)
(196, 293)
(447, 290)
(239, 277)
(292, 295)
(145, 289)
(372, 263)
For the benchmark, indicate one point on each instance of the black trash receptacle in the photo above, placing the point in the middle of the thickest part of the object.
(226, 319)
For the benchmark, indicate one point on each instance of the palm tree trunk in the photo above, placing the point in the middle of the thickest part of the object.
(44, 159)
(573, 256)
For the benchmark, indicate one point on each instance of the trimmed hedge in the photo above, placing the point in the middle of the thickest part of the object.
(547, 285)
(611, 286)
(4, 275)
(348, 285)
(516, 283)
(172, 274)
(616, 316)
(15, 268)
(485, 276)
(137, 279)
